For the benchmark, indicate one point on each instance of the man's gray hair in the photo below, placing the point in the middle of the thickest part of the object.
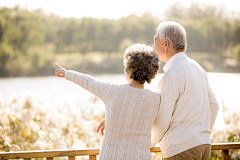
(174, 33)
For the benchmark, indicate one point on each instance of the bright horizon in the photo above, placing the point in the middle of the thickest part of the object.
(111, 9)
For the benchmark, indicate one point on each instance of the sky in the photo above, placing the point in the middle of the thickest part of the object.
(110, 9)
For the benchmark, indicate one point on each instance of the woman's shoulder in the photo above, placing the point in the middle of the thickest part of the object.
(127, 88)
(143, 91)
(153, 97)
(154, 94)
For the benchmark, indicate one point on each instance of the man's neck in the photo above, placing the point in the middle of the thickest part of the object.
(172, 53)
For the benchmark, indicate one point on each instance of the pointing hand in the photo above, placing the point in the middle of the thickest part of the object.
(60, 72)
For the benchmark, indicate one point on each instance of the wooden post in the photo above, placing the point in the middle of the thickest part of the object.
(49, 158)
(71, 157)
(225, 155)
(92, 157)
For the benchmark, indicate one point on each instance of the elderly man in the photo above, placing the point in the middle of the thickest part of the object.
(188, 106)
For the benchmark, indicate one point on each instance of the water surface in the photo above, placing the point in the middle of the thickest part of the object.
(52, 90)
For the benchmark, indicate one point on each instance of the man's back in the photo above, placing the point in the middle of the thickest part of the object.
(185, 111)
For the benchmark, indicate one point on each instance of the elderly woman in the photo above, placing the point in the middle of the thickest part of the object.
(130, 108)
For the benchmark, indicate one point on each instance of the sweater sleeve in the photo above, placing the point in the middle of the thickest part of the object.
(214, 106)
(155, 137)
(168, 91)
(99, 88)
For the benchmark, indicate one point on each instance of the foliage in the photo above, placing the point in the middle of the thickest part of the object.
(27, 125)
(236, 52)
(30, 41)
(229, 134)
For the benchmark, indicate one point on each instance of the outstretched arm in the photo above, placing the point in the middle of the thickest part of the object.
(99, 88)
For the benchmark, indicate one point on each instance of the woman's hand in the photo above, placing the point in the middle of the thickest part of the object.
(60, 72)
(101, 126)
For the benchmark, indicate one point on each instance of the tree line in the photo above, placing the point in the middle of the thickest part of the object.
(30, 41)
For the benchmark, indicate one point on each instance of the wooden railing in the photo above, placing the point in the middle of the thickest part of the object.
(93, 152)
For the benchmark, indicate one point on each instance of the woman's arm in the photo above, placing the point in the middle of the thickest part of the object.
(99, 88)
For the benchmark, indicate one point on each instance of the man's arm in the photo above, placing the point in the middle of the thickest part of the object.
(214, 106)
(169, 93)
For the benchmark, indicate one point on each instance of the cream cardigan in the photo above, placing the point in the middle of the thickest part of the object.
(130, 114)
(188, 107)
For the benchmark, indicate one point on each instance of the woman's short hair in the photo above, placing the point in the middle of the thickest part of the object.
(174, 33)
(141, 62)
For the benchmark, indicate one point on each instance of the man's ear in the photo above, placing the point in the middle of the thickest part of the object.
(166, 43)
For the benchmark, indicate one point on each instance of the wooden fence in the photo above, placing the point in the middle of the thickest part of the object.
(93, 152)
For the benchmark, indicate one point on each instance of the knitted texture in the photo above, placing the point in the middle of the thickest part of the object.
(130, 114)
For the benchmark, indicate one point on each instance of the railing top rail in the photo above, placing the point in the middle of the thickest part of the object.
(225, 146)
(89, 151)
(49, 153)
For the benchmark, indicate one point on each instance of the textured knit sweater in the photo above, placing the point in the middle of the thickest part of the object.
(130, 114)
(188, 107)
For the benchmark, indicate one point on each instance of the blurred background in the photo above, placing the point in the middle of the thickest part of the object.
(41, 111)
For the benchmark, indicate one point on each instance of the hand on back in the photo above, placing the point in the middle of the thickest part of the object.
(101, 126)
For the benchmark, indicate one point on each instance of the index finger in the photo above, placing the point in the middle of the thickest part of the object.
(58, 66)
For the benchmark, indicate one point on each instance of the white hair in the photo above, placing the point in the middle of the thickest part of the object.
(174, 33)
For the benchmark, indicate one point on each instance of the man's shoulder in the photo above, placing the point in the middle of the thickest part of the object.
(184, 65)
(176, 67)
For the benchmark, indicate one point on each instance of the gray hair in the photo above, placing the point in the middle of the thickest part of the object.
(174, 33)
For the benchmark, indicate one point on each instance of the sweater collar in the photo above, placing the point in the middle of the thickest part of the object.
(172, 59)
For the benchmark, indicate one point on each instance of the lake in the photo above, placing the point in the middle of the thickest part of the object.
(52, 90)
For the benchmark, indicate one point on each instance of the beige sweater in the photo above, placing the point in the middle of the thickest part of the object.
(188, 107)
(130, 114)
